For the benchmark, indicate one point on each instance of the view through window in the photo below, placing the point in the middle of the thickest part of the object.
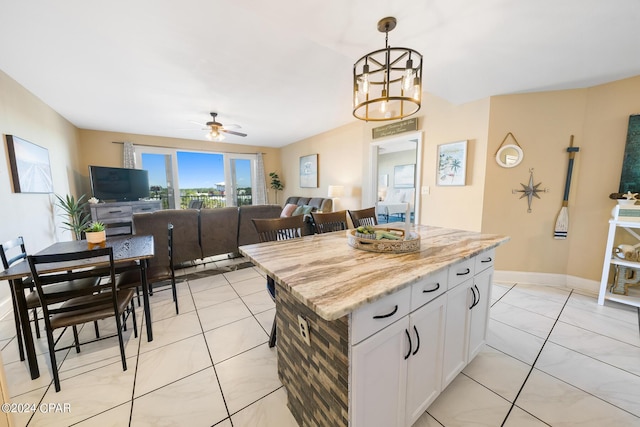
(208, 180)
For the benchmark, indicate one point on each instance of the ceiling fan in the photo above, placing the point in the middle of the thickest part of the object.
(216, 129)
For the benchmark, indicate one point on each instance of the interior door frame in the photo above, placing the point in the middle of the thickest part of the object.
(373, 167)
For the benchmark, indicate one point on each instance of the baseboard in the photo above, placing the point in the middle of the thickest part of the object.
(548, 279)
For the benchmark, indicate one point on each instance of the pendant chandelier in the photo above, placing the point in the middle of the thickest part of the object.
(387, 82)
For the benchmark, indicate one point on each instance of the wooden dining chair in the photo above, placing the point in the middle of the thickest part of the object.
(159, 270)
(330, 221)
(66, 302)
(275, 229)
(364, 217)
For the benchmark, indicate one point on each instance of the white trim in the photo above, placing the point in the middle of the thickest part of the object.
(548, 279)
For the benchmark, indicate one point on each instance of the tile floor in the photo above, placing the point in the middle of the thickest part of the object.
(554, 358)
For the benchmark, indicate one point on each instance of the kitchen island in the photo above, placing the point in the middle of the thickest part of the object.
(386, 332)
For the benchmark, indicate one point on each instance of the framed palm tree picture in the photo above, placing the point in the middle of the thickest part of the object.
(452, 163)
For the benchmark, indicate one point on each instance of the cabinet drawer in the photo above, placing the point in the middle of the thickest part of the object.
(485, 260)
(371, 318)
(113, 212)
(428, 289)
(460, 272)
(147, 207)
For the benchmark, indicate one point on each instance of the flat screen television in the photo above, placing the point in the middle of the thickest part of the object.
(118, 184)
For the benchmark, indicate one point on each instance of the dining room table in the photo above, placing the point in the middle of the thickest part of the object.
(130, 251)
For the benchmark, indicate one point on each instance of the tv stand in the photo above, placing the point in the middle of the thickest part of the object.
(118, 216)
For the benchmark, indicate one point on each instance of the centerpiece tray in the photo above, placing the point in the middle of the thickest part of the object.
(407, 242)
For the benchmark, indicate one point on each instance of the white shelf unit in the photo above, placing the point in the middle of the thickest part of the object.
(609, 260)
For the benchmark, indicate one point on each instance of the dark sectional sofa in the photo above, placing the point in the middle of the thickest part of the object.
(201, 233)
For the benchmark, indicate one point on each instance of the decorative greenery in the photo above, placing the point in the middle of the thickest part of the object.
(95, 226)
(76, 212)
(276, 184)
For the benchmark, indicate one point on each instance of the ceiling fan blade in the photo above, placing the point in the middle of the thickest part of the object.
(232, 126)
(233, 133)
(197, 123)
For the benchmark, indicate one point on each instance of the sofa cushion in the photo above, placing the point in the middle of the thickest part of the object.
(218, 231)
(288, 210)
(247, 234)
(186, 238)
(303, 210)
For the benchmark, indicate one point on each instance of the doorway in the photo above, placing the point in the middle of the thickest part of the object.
(396, 166)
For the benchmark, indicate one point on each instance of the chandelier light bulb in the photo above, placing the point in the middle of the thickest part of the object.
(409, 75)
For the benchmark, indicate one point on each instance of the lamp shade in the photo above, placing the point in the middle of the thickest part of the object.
(335, 191)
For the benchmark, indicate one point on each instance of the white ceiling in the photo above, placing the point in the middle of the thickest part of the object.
(282, 69)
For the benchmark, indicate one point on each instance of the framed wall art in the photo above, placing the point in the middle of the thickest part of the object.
(404, 176)
(309, 171)
(30, 166)
(452, 163)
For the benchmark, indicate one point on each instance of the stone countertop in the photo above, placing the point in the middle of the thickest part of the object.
(333, 279)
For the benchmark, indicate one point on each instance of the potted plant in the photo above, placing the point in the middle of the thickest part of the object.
(76, 212)
(95, 234)
(276, 184)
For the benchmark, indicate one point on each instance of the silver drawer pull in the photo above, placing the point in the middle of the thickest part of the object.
(384, 316)
(426, 291)
(465, 273)
(487, 260)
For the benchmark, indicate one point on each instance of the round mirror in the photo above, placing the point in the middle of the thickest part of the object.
(509, 156)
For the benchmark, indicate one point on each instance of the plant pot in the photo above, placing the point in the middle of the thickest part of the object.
(96, 238)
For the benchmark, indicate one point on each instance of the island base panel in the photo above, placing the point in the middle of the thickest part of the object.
(316, 376)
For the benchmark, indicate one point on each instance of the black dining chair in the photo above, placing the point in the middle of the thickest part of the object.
(274, 229)
(330, 221)
(364, 217)
(66, 302)
(11, 253)
(159, 270)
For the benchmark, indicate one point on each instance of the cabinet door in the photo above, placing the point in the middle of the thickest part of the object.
(480, 312)
(424, 377)
(456, 340)
(379, 377)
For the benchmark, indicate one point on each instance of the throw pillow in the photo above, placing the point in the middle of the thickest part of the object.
(302, 210)
(288, 210)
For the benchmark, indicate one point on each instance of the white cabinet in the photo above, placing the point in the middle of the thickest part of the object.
(424, 368)
(379, 377)
(467, 320)
(397, 372)
(611, 262)
(408, 346)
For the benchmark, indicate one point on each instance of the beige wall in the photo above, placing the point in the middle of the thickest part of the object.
(341, 159)
(32, 215)
(543, 123)
(449, 206)
(97, 148)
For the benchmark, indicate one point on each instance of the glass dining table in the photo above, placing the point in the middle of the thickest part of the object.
(125, 250)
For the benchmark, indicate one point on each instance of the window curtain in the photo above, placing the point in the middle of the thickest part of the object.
(260, 198)
(129, 159)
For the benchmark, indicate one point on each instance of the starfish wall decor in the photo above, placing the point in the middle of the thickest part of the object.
(530, 191)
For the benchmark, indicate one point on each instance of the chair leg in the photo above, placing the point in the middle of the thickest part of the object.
(52, 358)
(35, 322)
(175, 294)
(95, 326)
(16, 317)
(76, 340)
(272, 337)
(134, 321)
(121, 342)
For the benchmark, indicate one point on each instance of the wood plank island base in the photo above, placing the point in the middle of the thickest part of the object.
(386, 332)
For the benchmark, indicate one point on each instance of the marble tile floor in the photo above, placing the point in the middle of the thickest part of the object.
(554, 358)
